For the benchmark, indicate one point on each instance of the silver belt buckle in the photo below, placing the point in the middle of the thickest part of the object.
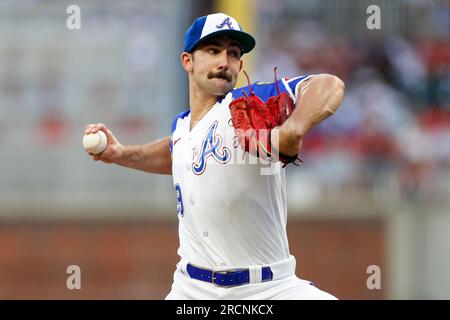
(213, 277)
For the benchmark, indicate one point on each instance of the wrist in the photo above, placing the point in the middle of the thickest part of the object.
(294, 130)
(287, 140)
(119, 152)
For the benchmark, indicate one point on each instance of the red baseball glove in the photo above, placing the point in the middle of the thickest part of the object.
(253, 121)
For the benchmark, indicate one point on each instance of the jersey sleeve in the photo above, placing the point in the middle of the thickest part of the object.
(291, 85)
(265, 90)
(175, 121)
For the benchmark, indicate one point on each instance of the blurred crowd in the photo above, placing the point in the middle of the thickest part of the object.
(393, 128)
(392, 132)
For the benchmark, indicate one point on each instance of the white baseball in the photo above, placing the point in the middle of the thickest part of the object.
(95, 143)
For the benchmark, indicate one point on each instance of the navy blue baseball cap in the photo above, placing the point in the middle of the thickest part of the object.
(213, 25)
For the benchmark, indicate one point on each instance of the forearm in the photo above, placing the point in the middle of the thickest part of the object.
(317, 99)
(153, 157)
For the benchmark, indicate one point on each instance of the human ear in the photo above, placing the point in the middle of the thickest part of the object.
(186, 61)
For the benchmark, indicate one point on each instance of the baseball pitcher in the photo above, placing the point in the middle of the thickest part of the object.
(227, 155)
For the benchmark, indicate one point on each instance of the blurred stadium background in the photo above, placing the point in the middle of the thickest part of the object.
(374, 188)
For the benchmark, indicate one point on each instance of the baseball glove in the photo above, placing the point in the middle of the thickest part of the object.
(253, 121)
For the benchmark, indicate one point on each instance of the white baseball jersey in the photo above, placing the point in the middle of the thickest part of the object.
(232, 213)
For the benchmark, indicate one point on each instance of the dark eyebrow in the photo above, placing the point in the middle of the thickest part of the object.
(216, 43)
(212, 43)
(236, 44)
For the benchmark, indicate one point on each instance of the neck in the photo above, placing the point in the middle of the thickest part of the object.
(199, 102)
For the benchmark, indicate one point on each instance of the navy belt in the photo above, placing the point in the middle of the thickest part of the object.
(226, 278)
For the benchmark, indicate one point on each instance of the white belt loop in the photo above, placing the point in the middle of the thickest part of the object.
(283, 269)
(183, 267)
(255, 274)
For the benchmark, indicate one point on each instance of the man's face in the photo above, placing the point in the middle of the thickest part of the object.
(216, 65)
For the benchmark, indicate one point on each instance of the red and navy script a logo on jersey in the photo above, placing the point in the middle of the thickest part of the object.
(211, 147)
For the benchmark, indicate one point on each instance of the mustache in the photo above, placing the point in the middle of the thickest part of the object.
(221, 75)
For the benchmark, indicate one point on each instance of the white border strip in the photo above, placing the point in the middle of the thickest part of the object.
(288, 88)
